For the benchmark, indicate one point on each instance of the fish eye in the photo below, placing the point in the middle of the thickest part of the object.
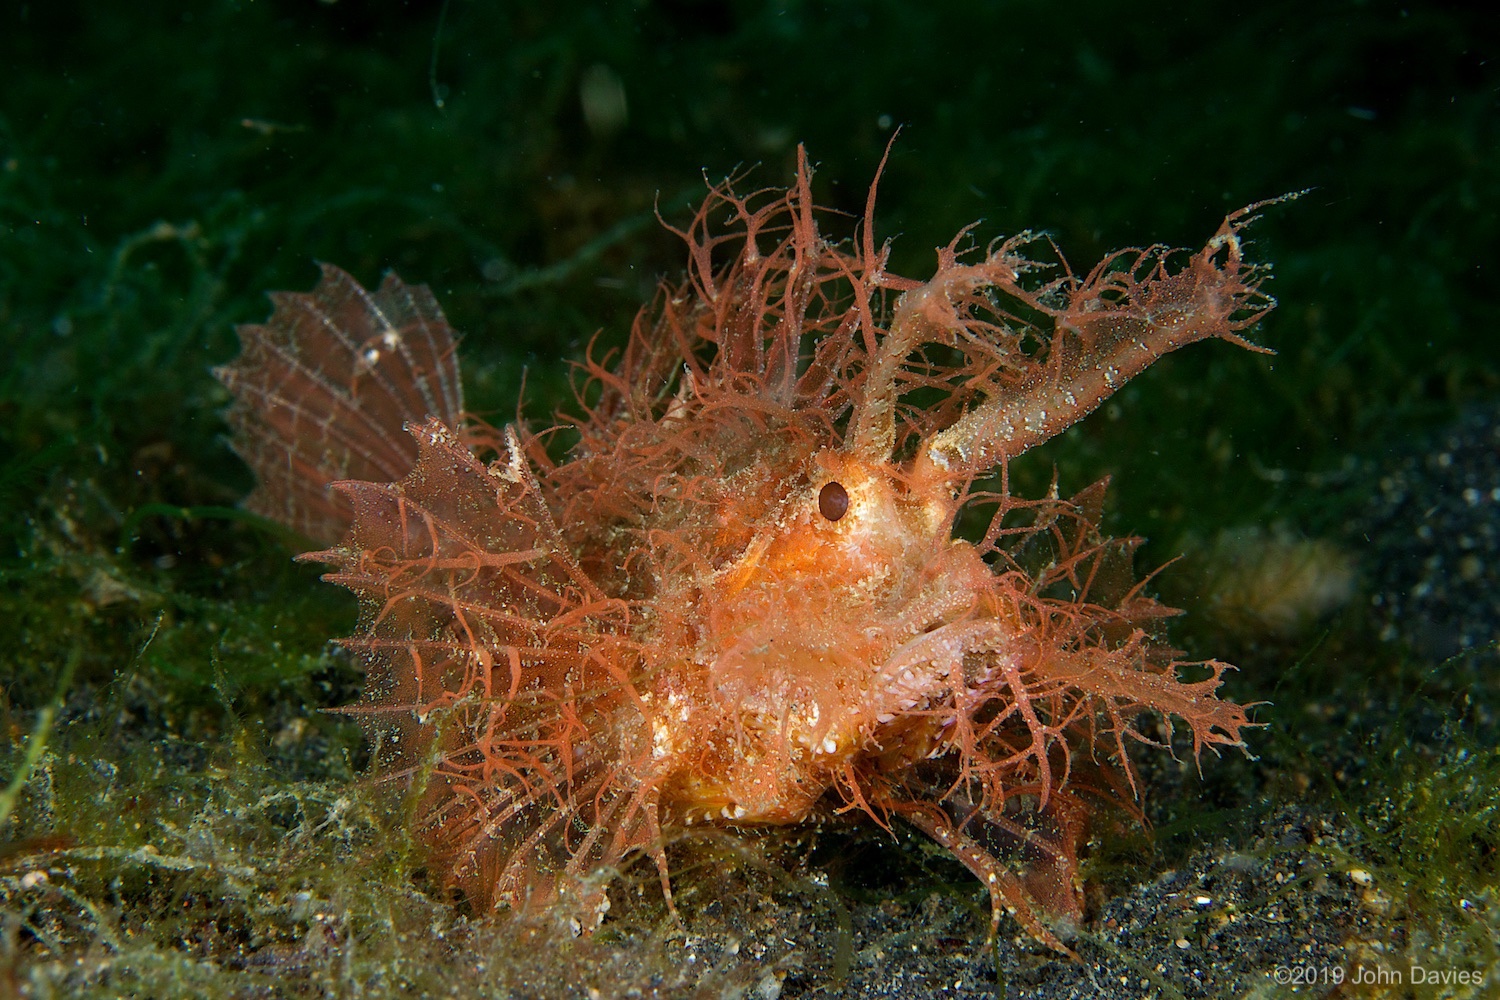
(833, 501)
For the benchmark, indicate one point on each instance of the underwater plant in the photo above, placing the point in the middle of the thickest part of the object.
(738, 598)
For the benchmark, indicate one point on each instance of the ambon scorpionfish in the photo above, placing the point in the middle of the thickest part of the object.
(738, 599)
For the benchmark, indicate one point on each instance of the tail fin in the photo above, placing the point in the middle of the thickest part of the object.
(324, 387)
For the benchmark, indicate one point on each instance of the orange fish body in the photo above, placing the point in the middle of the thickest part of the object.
(739, 599)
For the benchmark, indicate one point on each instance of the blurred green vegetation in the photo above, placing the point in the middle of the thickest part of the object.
(192, 808)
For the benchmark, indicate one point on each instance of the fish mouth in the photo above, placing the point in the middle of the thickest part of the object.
(928, 668)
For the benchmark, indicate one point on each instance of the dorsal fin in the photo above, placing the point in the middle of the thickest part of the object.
(324, 387)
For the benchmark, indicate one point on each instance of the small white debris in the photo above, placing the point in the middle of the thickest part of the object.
(1360, 876)
(769, 987)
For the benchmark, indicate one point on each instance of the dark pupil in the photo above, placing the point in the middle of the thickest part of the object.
(833, 501)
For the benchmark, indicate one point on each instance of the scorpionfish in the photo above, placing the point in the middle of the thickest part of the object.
(743, 596)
